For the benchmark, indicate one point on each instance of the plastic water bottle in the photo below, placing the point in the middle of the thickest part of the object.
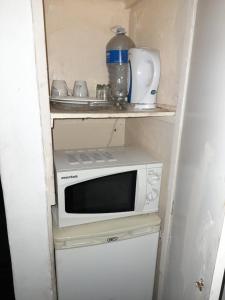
(117, 63)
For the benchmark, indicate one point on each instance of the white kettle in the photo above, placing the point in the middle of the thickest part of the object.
(144, 74)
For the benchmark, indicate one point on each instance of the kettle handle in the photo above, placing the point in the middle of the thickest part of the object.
(155, 62)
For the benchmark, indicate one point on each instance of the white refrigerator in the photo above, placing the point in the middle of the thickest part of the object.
(110, 260)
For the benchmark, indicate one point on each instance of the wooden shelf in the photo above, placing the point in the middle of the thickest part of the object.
(130, 3)
(60, 113)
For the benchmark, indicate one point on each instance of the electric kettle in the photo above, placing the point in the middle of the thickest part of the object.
(144, 74)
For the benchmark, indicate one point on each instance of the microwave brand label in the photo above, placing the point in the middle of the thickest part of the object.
(69, 177)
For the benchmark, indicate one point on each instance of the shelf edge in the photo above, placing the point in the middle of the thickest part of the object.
(106, 115)
(130, 3)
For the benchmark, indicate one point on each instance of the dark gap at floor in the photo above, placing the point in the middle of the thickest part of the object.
(222, 288)
(6, 279)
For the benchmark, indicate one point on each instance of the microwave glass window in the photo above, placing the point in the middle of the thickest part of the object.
(108, 194)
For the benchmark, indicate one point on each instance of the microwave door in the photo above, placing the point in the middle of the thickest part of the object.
(107, 194)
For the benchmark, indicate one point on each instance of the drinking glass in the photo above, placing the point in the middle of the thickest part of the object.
(59, 88)
(80, 89)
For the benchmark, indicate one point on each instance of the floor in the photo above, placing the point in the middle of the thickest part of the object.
(7, 291)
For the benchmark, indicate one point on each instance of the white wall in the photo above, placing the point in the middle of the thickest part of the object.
(22, 162)
(77, 34)
(74, 134)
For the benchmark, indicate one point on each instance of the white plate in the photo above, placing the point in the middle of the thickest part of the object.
(76, 102)
(70, 99)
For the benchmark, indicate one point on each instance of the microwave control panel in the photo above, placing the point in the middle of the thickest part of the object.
(153, 188)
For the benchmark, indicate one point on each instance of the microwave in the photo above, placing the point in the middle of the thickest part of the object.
(105, 183)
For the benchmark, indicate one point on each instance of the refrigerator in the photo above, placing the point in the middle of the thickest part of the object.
(107, 260)
(196, 255)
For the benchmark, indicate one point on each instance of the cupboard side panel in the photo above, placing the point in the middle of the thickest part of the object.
(161, 24)
(155, 136)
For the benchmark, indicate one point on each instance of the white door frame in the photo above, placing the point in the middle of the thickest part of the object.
(25, 143)
(183, 84)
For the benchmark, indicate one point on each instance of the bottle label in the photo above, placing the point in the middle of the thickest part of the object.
(117, 57)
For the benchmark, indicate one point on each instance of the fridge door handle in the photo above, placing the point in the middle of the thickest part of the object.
(104, 239)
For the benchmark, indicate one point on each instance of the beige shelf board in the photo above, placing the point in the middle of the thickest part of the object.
(128, 3)
(58, 113)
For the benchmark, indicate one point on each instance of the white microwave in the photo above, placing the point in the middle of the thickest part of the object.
(99, 184)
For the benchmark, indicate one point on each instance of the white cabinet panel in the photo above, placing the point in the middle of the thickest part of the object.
(199, 201)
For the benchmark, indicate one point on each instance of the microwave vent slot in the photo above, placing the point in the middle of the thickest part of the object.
(85, 158)
(72, 158)
(89, 156)
(97, 157)
(109, 156)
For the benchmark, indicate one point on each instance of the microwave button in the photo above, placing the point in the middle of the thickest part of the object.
(153, 195)
(149, 197)
(150, 172)
(155, 171)
(153, 178)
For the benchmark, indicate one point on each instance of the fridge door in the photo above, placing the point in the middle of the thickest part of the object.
(121, 269)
